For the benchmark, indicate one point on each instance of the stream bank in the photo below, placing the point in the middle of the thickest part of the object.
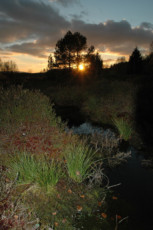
(134, 195)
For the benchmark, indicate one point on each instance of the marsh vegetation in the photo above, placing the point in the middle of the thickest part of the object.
(52, 177)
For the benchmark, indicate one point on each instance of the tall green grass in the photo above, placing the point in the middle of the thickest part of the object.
(34, 171)
(124, 128)
(79, 159)
(49, 174)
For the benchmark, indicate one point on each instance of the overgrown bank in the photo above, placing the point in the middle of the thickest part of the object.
(48, 176)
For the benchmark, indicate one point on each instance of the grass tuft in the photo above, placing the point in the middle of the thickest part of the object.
(123, 127)
(79, 158)
(31, 170)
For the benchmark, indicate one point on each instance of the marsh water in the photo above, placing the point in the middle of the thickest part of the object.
(135, 193)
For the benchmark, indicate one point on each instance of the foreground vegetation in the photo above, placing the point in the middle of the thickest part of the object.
(50, 178)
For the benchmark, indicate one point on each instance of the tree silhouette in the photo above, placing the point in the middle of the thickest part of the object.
(135, 62)
(50, 62)
(94, 60)
(150, 59)
(151, 47)
(80, 45)
(8, 66)
(68, 49)
(1, 64)
(148, 63)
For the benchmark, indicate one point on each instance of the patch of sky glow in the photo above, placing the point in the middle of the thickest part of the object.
(28, 63)
(111, 58)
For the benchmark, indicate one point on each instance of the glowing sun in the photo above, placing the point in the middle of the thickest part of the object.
(81, 67)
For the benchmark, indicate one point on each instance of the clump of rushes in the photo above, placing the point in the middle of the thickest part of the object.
(79, 159)
(31, 170)
(49, 174)
(123, 127)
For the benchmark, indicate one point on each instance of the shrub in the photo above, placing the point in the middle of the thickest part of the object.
(79, 158)
(123, 127)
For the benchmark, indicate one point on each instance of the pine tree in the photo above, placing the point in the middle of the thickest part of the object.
(135, 62)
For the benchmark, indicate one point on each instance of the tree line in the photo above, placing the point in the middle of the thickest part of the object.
(137, 64)
(72, 49)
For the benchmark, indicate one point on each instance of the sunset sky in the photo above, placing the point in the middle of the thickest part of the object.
(30, 28)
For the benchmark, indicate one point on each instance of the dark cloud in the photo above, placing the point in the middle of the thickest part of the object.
(30, 19)
(118, 37)
(35, 12)
(29, 48)
(66, 2)
(34, 26)
(146, 25)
